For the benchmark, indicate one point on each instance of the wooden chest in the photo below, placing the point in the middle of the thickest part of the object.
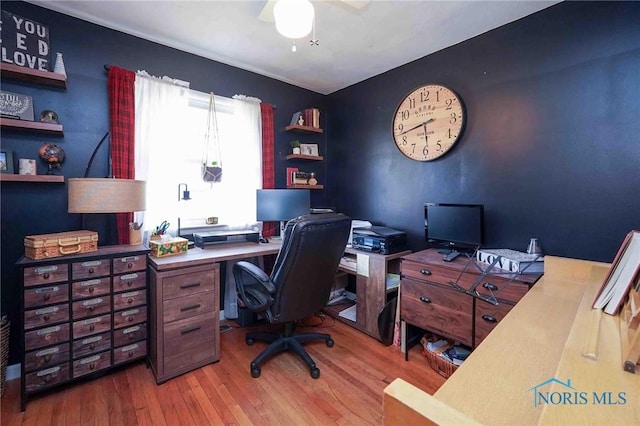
(46, 246)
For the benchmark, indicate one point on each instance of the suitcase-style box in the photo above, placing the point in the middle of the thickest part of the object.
(46, 246)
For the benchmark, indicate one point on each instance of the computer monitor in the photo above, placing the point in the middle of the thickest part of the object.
(454, 226)
(282, 205)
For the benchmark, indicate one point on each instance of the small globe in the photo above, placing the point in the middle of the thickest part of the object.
(52, 155)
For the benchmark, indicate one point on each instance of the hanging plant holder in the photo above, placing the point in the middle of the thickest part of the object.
(211, 161)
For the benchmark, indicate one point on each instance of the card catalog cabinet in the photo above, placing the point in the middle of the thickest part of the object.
(83, 314)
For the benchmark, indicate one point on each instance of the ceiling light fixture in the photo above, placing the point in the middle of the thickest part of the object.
(294, 18)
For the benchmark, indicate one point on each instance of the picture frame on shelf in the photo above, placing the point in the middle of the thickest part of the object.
(309, 149)
(6, 161)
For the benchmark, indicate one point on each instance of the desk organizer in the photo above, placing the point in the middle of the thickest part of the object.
(177, 245)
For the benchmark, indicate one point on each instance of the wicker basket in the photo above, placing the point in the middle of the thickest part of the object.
(439, 364)
(4, 339)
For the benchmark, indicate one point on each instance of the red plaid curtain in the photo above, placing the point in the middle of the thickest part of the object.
(121, 84)
(268, 160)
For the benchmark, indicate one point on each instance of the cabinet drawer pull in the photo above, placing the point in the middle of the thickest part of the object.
(490, 286)
(190, 329)
(189, 285)
(425, 272)
(190, 307)
(489, 318)
(425, 299)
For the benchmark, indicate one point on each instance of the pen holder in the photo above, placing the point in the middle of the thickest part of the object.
(135, 237)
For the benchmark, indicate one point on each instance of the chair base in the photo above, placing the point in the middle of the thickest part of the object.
(287, 340)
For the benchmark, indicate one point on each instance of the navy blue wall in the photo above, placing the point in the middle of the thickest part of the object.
(551, 146)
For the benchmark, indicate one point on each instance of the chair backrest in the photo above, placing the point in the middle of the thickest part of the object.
(306, 265)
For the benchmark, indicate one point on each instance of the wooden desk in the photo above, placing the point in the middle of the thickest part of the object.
(185, 306)
(541, 338)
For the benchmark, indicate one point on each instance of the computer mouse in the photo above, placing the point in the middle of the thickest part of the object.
(263, 240)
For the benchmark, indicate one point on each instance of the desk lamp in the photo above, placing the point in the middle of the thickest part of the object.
(105, 195)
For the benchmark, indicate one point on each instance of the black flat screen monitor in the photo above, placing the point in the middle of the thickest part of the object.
(454, 226)
(281, 205)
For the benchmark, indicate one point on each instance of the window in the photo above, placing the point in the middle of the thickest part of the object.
(179, 151)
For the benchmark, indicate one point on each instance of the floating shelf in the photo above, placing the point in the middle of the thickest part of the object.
(7, 177)
(305, 186)
(302, 129)
(32, 126)
(304, 157)
(29, 75)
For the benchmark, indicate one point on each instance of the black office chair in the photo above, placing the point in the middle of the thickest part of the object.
(299, 285)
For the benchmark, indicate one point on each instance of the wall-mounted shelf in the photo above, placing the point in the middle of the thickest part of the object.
(32, 126)
(302, 129)
(7, 177)
(304, 157)
(28, 75)
(305, 186)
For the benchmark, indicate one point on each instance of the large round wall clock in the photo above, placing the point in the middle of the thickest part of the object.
(428, 122)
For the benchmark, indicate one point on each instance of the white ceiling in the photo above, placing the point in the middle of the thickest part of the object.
(355, 43)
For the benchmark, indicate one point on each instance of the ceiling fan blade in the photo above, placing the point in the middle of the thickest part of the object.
(266, 14)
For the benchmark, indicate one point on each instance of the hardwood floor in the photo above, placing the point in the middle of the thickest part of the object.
(354, 373)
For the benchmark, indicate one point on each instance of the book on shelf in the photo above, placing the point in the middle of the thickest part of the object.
(511, 260)
(291, 175)
(621, 275)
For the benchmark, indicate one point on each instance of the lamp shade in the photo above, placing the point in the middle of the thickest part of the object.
(106, 195)
(294, 18)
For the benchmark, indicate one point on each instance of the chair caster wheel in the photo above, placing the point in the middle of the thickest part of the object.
(249, 341)
(255, 372)
(315, 372)
(330, 343)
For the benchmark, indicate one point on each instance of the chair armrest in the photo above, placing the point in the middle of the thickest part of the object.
(256, 273)
(254, 286)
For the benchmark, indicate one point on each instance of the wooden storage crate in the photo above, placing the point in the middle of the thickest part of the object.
(46, 246)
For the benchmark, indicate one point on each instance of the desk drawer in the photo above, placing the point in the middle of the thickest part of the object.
(46, 295)
(45, 358)
(189, 341)
(129, 299)
(487, 317)
(91, 269)
(91, 364)
(46, 336)
(129, 281)
(91, 288)
(129, 352)
(129, 264)
(188, 306)
(43, 275)
(90, 307)
(46, 378)
(45, 316)
(91, 326)
(130, 317)
(444, 311)
(188, 283)
(126, 336)
(91, 345)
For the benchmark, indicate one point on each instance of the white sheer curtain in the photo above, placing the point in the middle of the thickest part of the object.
(161, 107)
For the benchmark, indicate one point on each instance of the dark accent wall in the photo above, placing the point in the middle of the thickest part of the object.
(551, 146)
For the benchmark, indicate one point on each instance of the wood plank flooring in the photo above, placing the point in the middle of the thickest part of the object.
(353, 374)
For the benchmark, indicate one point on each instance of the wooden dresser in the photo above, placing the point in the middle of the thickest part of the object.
(83, 314)
(185, 312)
(433, 296)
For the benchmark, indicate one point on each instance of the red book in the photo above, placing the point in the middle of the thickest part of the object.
(290, 172)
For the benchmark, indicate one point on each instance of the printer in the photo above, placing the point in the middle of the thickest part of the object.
(379, 239)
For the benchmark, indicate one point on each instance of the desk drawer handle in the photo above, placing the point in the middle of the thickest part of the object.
(190, 307)
(490, 286)
(425, 299)
(190, 329)
(489, 318)
(189, 285)
(425, 272)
